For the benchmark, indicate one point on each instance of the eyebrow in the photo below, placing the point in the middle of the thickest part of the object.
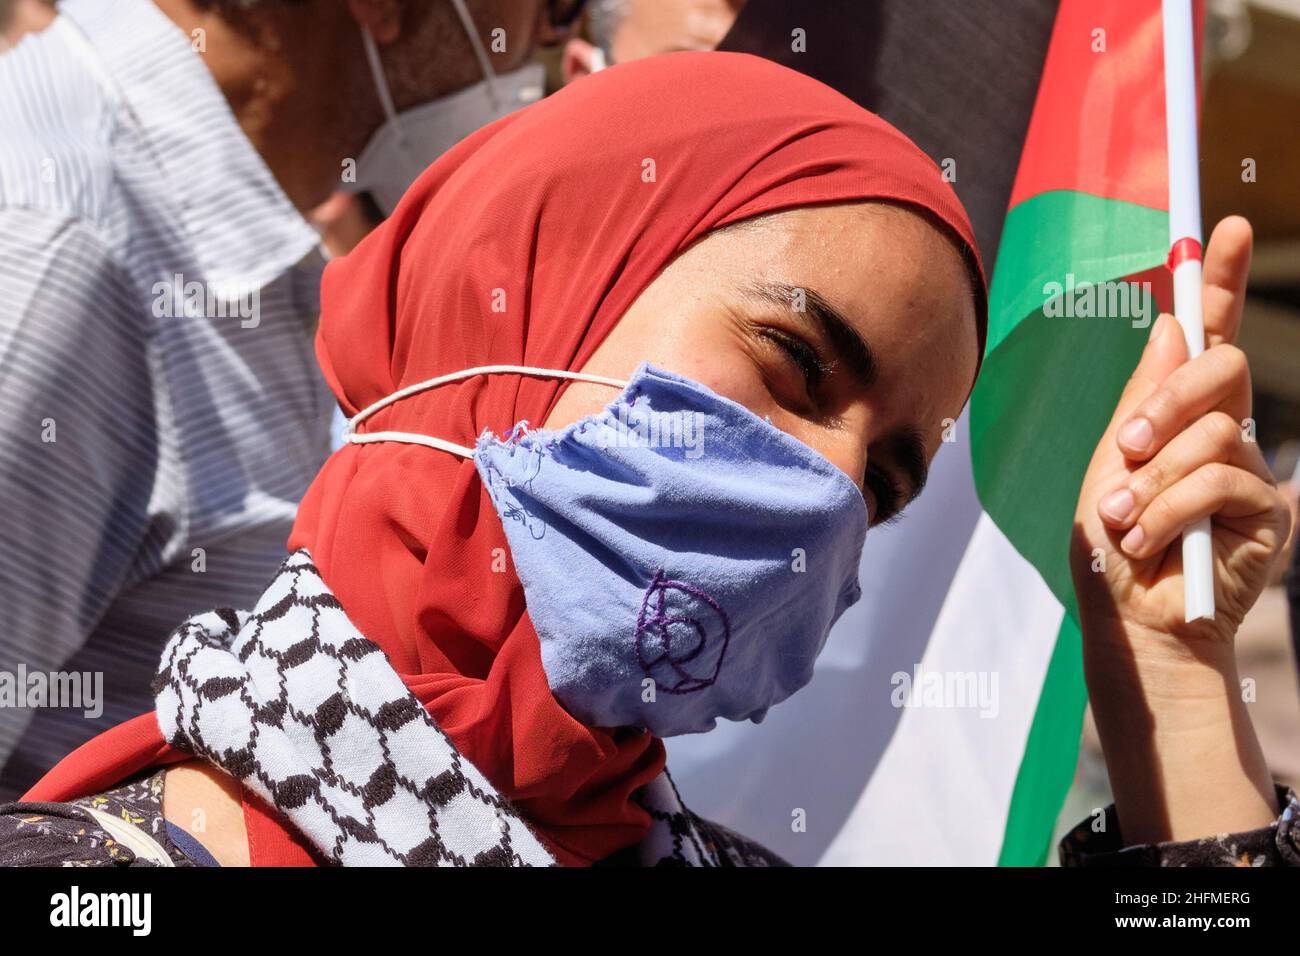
(907, 445)
(850, 346)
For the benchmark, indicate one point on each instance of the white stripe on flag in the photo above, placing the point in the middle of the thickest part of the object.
(793, 780)
(941, 792)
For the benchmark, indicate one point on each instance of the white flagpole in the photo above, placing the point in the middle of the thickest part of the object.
(1185, 257)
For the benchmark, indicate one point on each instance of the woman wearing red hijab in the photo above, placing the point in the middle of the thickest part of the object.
(698, 239)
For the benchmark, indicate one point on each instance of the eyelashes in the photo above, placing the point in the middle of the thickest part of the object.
(815, 370)
(804, 356)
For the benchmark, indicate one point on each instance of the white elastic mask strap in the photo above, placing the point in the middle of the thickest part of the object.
(480, 52)
(381, 79)
(350, 435)
(377, 73)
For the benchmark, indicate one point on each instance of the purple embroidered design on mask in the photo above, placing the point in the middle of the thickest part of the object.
(654, 634)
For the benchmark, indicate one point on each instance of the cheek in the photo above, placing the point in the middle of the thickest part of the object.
(730, 361)
(844, 447)
(736, 379)
(842, 444)
(841, 439)
(709, 346)
(700, 344)
(711, 349)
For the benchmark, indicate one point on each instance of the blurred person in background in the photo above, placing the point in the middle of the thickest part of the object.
(347, 217)
(20, 17)
(624, 30)
(158, 292)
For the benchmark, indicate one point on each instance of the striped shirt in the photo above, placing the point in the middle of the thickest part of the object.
(162, 408)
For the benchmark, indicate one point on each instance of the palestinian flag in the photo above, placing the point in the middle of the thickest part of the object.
(1089, 210)
(1081, 260)
(977, 767)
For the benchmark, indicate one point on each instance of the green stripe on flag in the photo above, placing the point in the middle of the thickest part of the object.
(1049, 384)
(1051, 752)
(1046, 392)
(1059, 232)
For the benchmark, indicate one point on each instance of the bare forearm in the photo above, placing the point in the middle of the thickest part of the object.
(1182, 754)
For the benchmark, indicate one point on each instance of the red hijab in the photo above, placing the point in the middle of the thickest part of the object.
(524, 245)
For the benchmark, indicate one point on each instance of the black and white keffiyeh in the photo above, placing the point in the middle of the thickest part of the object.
(294, 702)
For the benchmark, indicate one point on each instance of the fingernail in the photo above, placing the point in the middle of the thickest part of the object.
(1137, 434)
(1118, 505)
(1133, 540)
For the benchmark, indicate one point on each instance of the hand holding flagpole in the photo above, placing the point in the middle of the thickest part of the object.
(1185, 257)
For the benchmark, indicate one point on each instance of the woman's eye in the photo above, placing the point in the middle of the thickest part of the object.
(804, 357)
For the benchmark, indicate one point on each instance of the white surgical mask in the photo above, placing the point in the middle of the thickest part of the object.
(409, 141)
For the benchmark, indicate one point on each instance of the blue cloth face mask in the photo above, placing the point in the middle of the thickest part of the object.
(682, 559)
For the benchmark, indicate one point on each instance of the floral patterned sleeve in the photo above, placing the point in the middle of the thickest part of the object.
(1098, 842)
(89, 831)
